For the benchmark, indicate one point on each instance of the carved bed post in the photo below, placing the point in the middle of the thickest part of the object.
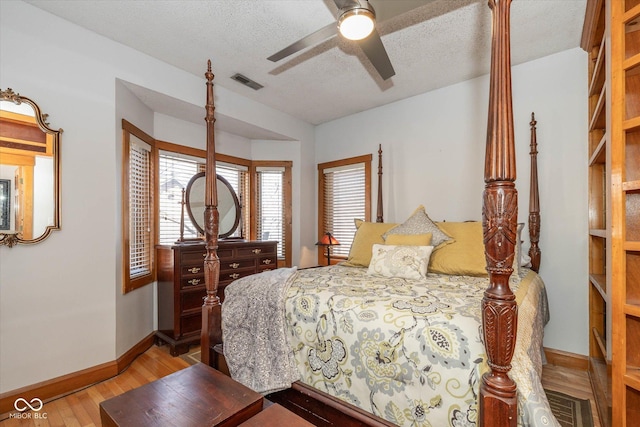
(211, 333)
(534, 201)
(498, 403)
(379, 217)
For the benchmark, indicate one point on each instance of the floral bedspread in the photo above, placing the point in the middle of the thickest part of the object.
(410, 351)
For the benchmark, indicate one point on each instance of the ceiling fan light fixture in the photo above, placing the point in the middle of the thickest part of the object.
(356, 24)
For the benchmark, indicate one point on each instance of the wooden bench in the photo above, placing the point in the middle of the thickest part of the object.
(195, 396)
(276, 416)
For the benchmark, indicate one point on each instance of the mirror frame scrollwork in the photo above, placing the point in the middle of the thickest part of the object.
(12, 239)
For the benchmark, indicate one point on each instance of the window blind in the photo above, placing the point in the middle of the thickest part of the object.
(344, 201)
(140, 226)
(173, 176)
(270, 200)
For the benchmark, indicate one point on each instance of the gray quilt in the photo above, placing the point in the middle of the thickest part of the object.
(253, 325)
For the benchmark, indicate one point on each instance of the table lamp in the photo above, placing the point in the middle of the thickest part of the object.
(328, 240)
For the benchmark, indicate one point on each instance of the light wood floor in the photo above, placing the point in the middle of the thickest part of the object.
(81, 408)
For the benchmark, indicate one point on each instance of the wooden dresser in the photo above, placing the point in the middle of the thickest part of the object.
(181, 283)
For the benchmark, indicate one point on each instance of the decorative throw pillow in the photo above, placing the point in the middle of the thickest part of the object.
(408, 239)
(420, 223)
(367, 234)
(407, 262)
(463, 257)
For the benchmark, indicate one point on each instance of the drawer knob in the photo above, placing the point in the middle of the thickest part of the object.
(234, 265)
(234, 275)
(256, 251)
(194, 270)
(194, 282)
(266, 261)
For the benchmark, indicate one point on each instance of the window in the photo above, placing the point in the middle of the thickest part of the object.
(344, 195)
(138, 208)
(154, 176)
(273, 206)
(174, 172)
(237, 176)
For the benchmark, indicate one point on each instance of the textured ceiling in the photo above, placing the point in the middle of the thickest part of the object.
(437, 44)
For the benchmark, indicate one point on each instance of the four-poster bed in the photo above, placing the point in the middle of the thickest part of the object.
(497, 397)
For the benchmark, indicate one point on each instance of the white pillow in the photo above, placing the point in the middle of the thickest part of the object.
(407, 262)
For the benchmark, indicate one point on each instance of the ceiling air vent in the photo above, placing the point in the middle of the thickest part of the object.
(246, 81)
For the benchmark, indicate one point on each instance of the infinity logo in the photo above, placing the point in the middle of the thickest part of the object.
(35, 404)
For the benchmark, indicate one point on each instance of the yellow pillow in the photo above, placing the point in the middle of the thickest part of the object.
(367, 235)
(408, 239)
(465, 256)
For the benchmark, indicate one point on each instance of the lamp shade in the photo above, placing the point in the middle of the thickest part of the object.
(327, 240)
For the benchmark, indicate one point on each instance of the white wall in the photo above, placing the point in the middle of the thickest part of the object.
(61, 308)
(433, 151)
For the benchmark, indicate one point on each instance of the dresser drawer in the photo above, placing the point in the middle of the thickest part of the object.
(229, 266)
(191, 281)
(192, 300)
(191, 323)
(257, 250)
(192, 270)
(268, 261)
(224, 253)
(230, 276)
(192, 257)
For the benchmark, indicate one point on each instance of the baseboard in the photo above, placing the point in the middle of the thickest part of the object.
(128, 357)
(60, 386)
(566, 360)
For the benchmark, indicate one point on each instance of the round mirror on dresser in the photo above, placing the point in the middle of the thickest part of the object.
(228, 205)
(29, 171)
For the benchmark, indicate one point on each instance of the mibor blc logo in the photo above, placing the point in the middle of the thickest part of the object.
(28, 409)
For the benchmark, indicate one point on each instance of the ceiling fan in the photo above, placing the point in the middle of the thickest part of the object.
(357, 21)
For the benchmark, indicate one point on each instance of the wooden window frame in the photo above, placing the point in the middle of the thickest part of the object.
(128, 283)
(366, 160)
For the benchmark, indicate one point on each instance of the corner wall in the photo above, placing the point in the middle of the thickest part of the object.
(61, 307)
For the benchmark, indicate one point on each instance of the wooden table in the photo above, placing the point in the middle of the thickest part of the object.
(195, 396)
(276, 416)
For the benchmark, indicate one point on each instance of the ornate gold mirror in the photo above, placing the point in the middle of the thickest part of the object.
(228, 205)
(29, 172)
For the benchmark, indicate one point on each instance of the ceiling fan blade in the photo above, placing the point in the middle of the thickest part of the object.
(312, 39)
(343, 4)
(377, 54)
(386, 9)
